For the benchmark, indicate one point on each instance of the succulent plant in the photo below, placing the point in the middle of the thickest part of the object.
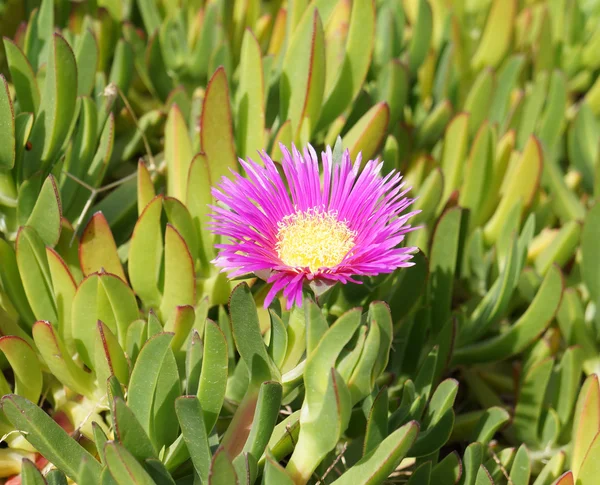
(128, 357)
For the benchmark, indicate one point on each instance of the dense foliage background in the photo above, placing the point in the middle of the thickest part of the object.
(127, 358)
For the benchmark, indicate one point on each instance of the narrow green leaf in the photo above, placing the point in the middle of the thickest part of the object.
(86, 54)
(198, 200)
(216, 132)
(23, 77)
(484, 477)
(193, 362)
(150, 15)
(48, 437)
(274, 472)
(178, 153)
(221, 470)
(98, 250)
(123, 467)
(35, 272)
(145, 187)
(100, 439)
(165, 428)
(248, 339)
(145, 254)
(377, 465)
(7, 128)
(431, 440)
(442, 266)
(490, 422)
(180, 323)
(347, 80)
(193, 428)
(144, 378)
(552, 469)
(105, 297)
(590, 269)
(57, 107)
(109, 356)
(180, 276)
(30, 475)
(302, 79)
(448, 471)
(181, 219)
(130, 433)
(279, 339)
(527, 328)
(520, 471)
(250, 126)
(47, 213)
(368, 132)
(265, 418)
(122, 69)
(57, 358)
(56, 477)
(25, 366)
(65, 287)
(586, 422)
(497, 34)
(422, 475)
(377, 422)
(421, 39)
(158, 471)
(213, 377)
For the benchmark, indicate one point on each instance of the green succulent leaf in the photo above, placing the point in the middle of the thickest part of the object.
(145, 377)
(24, 364)
(123, 467)
(48, 437)
(377, 465)
(98, 250)
(57, 106)
(7, 122)
(216, 137)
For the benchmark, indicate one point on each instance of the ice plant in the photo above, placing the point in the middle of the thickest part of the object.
(311, 225)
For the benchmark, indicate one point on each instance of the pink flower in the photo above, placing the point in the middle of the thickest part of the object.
(322, 228)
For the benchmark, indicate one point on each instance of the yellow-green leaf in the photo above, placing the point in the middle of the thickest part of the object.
(178, 153)
(250, 124)
(497, 34)
(216, 131)
(368, 133)
(303, 77)
(97, 249)
(180, 277)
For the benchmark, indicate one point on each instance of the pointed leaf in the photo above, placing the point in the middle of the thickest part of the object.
(250, 126)
(144, 378)
(7, 128)
(180, 276)
(216, 137)
(145, 254)
(48, 437)
(302, 80)
(97, 249)
(178, 153)
(123, 467)
(377, 465)
(57, 107)
(193, 428)
(213, 377)
(25, 366)
(59, 361)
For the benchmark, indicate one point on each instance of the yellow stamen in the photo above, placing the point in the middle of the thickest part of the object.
(313, 239)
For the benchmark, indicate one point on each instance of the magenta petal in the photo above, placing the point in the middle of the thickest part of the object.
(249, 210)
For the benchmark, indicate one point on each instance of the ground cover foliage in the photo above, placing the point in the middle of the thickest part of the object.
(128, 357)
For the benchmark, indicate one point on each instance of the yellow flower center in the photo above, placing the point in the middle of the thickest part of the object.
(313, 239)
